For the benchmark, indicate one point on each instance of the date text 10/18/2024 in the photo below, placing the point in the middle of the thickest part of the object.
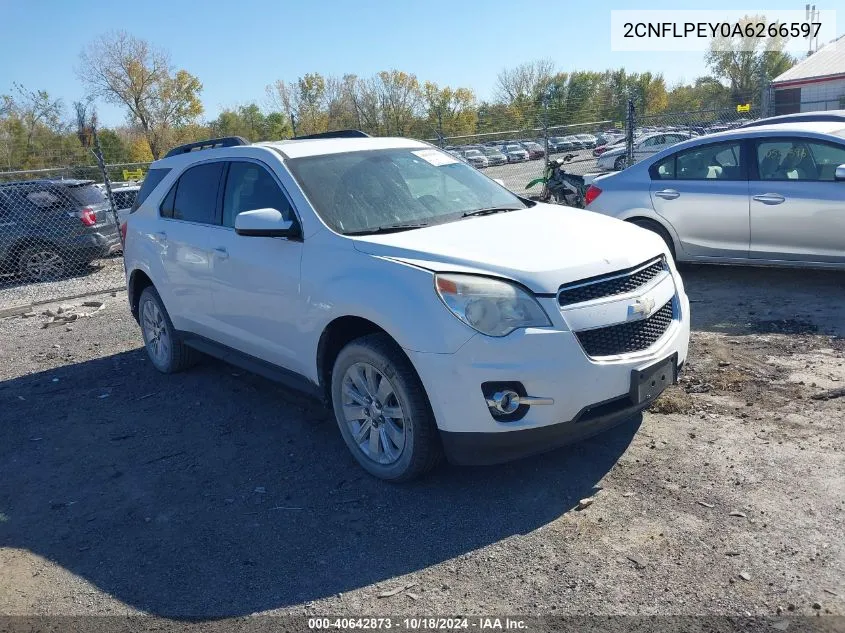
(419, 623)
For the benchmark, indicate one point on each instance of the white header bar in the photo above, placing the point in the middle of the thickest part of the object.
(694, 30)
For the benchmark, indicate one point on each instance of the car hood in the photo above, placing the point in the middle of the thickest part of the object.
(541, 247)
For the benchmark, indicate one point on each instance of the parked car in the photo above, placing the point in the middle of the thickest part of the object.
(52, 228)
(587, 140)
(475, 158)
(515, 153)
(494, 156)
(644, 146)
(759, 195)
(557, 144)
(535, 151)
(347, 273)
(124, 198)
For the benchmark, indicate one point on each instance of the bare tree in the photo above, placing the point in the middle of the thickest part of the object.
(524, 81)
(33, 108)
(128, 71)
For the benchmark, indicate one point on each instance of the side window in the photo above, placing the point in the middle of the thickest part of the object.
(663, 170)
(798, 159)
(249, 187)
(44, 199)
(719, 161)
(154, 176)
(196, 194)
(166, 208)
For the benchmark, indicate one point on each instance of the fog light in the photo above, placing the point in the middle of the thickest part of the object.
(504, 402)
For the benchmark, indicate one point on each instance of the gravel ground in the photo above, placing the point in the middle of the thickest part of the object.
(215, 493)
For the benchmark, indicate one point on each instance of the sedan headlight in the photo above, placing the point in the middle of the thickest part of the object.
(491, 306)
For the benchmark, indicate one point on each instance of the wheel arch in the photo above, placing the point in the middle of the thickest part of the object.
(636, 216)
(138, 280)
(334, 337)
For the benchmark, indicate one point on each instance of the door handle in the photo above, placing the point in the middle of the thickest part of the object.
(221, 252)
(667, 194)
(770, 198)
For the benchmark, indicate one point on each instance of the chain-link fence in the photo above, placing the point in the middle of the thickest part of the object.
(60, 235)
(59, 226)
(517, 155)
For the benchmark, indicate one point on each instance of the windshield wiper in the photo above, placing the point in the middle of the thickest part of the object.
(389, 228)
(490, 211)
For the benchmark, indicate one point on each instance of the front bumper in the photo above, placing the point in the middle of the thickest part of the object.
(590, 395)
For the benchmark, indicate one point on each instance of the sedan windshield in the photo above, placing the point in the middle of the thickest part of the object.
(368, 191)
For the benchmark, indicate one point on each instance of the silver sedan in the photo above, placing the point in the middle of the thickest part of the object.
(767, 195)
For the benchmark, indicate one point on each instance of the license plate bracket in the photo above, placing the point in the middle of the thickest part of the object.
(649, 382)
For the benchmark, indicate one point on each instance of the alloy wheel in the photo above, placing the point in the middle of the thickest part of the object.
(373, 413)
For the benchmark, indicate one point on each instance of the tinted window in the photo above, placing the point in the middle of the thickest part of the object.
(196, 194)
(719, 161)
(87, 195)
(154, 176)
(798, 159)
(166, 208)
(250, 187)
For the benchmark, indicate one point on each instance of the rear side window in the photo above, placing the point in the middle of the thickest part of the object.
(196, 194)
(87, 195)
(154, 176)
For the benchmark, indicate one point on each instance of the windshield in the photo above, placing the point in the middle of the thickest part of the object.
(362, 191)
(472, 152)
(513, 148)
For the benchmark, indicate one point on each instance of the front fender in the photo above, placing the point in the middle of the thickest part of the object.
(400, 298)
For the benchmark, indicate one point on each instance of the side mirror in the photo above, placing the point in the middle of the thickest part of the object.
(264, 223)
(839, 174)
(500, 182)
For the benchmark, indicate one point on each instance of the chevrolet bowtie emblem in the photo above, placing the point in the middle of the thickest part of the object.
(641, 307)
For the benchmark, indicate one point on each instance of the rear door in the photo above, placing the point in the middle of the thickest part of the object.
(189, 213)
(797, 208)
(702, 192)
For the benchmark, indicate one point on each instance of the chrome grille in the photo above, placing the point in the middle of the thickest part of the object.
(625, 338)
(616, 283)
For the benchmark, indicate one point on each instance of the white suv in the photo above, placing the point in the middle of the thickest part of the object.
(431, 308)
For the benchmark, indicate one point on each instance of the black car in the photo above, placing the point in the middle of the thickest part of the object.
(52, 228)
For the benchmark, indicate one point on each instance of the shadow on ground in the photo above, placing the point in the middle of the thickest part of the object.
(216, 493)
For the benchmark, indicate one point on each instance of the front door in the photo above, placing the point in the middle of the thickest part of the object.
(797, 208)
(255, 280)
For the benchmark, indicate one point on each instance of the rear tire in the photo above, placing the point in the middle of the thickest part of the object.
(382, 410)
(654, 227)
(165, 348)
(42, 262)
(619, 163)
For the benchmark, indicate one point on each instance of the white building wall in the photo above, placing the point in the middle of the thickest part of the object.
(824, 95)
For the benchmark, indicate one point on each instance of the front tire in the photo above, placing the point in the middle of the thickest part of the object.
(619, 163)
(382, 410)
(165, 348)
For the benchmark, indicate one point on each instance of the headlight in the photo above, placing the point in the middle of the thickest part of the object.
(491, 306)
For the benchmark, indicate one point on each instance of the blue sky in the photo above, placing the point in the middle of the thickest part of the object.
(240, 47)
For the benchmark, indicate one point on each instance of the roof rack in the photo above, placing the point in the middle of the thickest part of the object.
(335, 134)
(225, 141)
